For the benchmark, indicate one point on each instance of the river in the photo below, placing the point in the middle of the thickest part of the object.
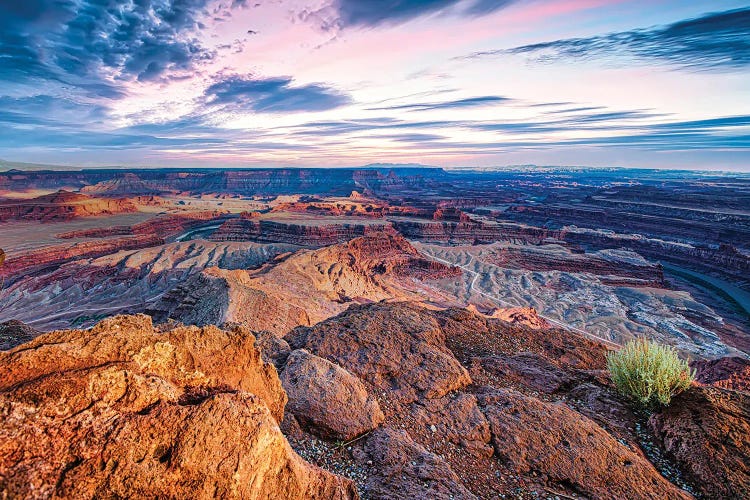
(728, 291)
(197, 232)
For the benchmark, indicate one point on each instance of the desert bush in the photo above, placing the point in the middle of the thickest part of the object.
(649, 373)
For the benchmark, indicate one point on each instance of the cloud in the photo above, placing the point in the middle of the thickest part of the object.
(458, 103)
(711, 42)
(358, 13)
(708, 124)
(409, 138)
(50, 111)
(273, 95)
(634, 129)
(571, 110)
(81, 140)
(94, 45)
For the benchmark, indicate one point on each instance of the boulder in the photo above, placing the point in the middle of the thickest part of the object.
(327, 399)
(398, 347)
(187, 356)
(568, 450)
(707, 431)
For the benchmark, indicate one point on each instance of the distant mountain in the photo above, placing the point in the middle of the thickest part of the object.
(10, 166)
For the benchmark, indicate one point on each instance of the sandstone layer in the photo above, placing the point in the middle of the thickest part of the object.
(63, 205)
(306, 231)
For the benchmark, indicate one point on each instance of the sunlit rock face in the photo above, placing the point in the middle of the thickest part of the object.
(127, 410)
(305, 287)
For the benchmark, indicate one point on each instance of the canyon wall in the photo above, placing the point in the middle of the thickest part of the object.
(62, 205)
(303, 234)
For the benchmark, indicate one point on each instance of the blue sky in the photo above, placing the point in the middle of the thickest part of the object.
(347, 82)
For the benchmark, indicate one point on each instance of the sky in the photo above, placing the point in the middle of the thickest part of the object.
(255, 83)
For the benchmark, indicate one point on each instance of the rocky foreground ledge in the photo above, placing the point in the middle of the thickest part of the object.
(394, 400)
(125, 410)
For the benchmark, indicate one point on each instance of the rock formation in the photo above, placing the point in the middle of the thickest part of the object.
(615, 268)
(304, 288)
(327, 398)
(406, 470)
(163, 226)
(270, 181)
(731, 372)
(123, 410)
(62, 205)
(307, 231)
(469, 231)
(432, 404)
(125, 281)
(708, 431)
(526, 316)
(353, 206)
(565, 447)
(724, 259)
(394, 347)
(43, 258)
(452, 432)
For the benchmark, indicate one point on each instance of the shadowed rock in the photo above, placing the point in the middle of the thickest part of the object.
(526, 368)
(405, 470)
(707, 430)
(329, 400)
(731, 372)
(273, 348)
(13, 333)
(567, 448)
(396, 347)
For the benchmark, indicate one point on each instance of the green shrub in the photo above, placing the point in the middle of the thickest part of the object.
(649, 373)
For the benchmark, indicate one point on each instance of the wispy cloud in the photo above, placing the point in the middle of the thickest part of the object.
(358, 13)
(621, 128)
(274, 95)
(468, 102)
(711, 42)
(49, 111)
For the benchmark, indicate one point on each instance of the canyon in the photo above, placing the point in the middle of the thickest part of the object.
(375, 332)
